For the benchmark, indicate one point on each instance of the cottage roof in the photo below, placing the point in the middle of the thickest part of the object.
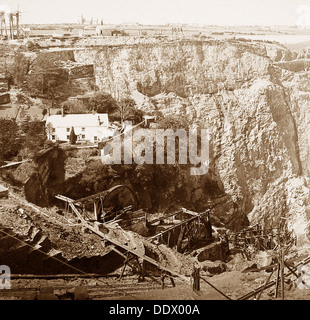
(78, 120)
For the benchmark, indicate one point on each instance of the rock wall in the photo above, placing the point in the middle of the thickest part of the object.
(185, 68)
(17, 62)
(253, 98)
(46, 177)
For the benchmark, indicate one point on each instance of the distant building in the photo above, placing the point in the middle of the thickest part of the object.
(88, 31)
(102, 30)
(88, 127)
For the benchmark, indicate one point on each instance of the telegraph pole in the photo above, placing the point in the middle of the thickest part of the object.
(11, 23)
(17, 14)
(1, 18)
(17, 24)
(5, 27)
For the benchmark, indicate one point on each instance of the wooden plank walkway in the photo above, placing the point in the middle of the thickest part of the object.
(136, 253)
(12, 164)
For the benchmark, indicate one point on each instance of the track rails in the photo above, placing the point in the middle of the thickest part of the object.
(113, 290)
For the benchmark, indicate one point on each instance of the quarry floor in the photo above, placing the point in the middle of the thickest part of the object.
(234, 284)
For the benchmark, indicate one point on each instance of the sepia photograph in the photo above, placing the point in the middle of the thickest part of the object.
(154, 150)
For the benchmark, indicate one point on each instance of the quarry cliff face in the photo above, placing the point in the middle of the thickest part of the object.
(186, 69)
(252, 97)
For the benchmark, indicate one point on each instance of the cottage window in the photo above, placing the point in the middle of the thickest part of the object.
(68, 137)
(68, 129)
(53, 138)
(83, 129)
(83, 136)
(54, 130)
(95, 138)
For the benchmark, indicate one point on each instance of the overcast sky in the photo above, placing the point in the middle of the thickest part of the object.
(218, 12)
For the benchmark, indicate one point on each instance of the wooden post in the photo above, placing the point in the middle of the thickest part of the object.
(95, 212)
(1, 17)
(124, 267)
(141, 270)
(172, 281)
(162, 280)
(180, 238)
(198, 279)
(11, 25)
(282, 274)
(145, 220)
(193, 278)
(277, 281)
(17, 23)
(5, 28)
(258, 243)
(168, 240)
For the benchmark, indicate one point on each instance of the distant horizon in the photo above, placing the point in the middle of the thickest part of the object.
(162, 12)
(167, 24)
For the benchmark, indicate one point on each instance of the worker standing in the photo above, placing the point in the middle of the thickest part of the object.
(196, 279)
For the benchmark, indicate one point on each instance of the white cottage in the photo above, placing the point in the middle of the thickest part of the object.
(87, 127)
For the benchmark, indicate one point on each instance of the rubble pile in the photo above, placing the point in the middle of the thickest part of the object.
(47, 241)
